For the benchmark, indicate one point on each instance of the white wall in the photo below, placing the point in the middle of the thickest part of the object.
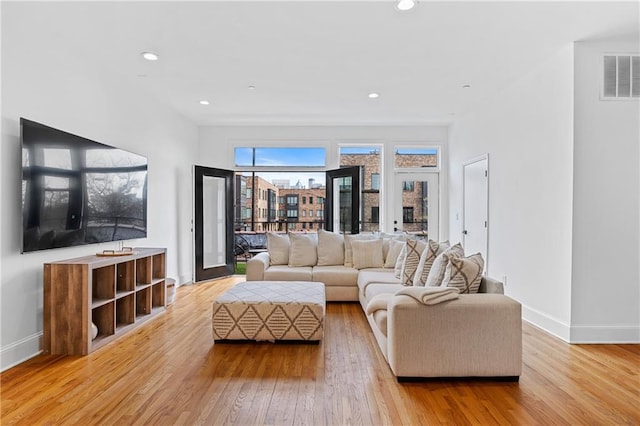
(43, 82)
(217, 144)
(606, 282)
(527, 131)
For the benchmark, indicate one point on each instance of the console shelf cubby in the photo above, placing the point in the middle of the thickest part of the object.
(114, 293)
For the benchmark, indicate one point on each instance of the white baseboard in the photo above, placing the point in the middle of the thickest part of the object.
(546, 322)
(603, 334)
(20, 351)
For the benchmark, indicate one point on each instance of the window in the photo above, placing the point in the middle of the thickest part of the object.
(310, 200)
(304, 213)
(292, 213)
(292, 199)
(280, 157)
(375, 181)
(320, 200)
(304, 225)
(280, 200)
(369, 159)
(291, 226)
(375, 214)
(248, 192)
(280, 213)
(407, 214)
(304, 200)
(310, 225)
(416, 157)
(407, 185)
(320, 213)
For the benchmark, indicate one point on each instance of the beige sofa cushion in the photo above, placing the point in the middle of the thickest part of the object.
(464, 273)
(335, 275)
(430, 253)
(436, 274)
(285, 273)
(348, 251)
(278, 248)
(303, 250)
(367, 254)
(330, 248)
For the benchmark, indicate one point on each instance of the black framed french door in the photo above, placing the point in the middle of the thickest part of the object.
(213, 223)
(342, 205)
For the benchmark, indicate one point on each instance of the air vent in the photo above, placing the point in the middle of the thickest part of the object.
(621, 77)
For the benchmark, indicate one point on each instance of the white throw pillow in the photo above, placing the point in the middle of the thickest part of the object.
(436, 274)
(330, 248)
(397, 268)
(464, 273)
(303, 250)
(278, 248)
(395, 247)
(348, 253)
(426, 261)
(367, 254)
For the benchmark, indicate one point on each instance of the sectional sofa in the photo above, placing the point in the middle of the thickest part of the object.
(475, 332)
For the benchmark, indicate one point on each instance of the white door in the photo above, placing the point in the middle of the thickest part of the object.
(475, 207)
(416, 203)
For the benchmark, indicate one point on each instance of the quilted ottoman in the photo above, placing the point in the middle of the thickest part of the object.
(270, 310)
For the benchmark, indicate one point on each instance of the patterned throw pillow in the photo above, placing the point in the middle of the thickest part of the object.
(367, 254)
(414, 249)
(330, 248)
(426, 261)
(303, 250)
(464, 273)
(278, 248)
(436, 274)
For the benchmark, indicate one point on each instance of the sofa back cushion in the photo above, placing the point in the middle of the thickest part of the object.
(330, 248)
(367, 254)
(303, 250)
(348, 252)
(278, 248)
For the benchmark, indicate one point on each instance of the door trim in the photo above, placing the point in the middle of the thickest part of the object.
(482, 157)
(199, 272)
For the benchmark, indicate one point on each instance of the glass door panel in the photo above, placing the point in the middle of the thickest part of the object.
(342, 207)
(416, 204)
(213, 223)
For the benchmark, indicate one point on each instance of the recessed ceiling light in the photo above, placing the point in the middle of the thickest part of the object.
(466, 86)
(204, 102)
(405, 4)
(373, 95)
(150, 56)
(251, 87)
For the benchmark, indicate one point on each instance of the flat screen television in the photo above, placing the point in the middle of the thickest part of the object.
(77, 191)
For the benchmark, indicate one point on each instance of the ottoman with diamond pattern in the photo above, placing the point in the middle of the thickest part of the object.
(270, 310)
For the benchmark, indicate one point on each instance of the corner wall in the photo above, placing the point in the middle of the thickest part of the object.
(527, 131)
(605, 278)
(42, 81)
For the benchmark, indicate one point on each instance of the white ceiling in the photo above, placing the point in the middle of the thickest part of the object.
(315, 62)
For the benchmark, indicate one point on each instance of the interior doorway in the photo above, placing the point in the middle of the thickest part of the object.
(475, 207)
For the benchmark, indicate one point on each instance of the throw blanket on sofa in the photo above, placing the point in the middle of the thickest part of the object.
(424, 295)
(430, 295)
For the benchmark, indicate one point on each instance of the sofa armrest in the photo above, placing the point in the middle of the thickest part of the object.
(256, 266)
(477, 335)
(490, 285)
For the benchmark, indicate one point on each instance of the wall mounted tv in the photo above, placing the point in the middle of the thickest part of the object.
(76, 191)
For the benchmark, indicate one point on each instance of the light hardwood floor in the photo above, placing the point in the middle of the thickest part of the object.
(169, 372)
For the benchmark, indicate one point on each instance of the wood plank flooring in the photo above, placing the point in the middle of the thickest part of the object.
(169, 372)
